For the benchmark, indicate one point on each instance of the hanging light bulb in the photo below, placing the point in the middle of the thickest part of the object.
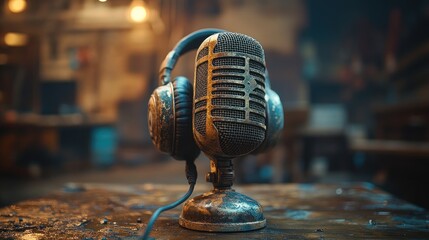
(137, 12)
(17, 6)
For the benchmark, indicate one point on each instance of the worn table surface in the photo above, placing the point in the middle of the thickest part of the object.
(293, 211)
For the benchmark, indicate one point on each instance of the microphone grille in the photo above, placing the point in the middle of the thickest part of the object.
(236, 42)
(229, 98)
(201, 88)
(201, 91)
(204, 52)
(238, 138)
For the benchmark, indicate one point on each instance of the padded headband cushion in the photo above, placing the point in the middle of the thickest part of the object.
(184, 145)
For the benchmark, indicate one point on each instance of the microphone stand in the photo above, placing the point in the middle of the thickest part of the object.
(222, 209)
(221, 174)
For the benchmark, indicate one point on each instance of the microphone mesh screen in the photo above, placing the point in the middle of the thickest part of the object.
(200, 122)
(228, 85)
(229, 113)
(257, 65)
(228, 92)
(228, 102)
(226, 70)
(257, 118)
(201, 103)
(240, 78)
(234, 42)
(204, 52)
(259, 91)
(257, 96)
(237, 138)
(201, 90)
(228, 61)
(256, 106)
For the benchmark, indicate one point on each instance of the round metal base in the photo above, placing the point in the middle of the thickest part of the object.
(222, 211)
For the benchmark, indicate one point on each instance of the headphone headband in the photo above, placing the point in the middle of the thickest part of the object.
(188, 43)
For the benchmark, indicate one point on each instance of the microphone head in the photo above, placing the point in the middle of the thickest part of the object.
(229, 95)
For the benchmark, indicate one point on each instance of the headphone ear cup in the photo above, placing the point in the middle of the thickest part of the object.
(274, 122)
(184, 146)
(161, 118)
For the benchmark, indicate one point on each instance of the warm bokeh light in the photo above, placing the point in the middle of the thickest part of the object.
(138, 11)
(102, 0)
(15, 39)
(17, 6)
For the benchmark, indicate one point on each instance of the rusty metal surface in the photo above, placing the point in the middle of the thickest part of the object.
(161, 118)
(222, 210)
(293, 211)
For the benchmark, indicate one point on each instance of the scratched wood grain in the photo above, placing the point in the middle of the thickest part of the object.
(293, 211)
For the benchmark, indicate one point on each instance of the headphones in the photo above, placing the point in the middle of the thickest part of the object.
(170, 106)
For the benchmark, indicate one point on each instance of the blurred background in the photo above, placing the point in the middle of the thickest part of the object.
(76, 76)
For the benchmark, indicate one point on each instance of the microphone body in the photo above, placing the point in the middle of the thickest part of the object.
(229, 120)
(229, 106)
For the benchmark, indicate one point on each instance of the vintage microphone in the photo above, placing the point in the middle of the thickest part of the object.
(230, 111)
(229, 120)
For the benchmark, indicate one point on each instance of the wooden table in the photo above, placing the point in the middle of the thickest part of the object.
(293, 211)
